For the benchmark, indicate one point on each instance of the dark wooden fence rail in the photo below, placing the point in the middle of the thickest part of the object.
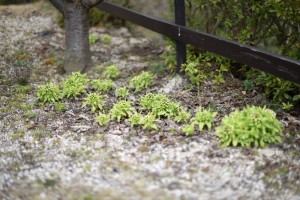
(277, 65)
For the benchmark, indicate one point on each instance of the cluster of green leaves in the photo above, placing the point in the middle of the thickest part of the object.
(48, 93)
(262, 23)
(161, 105)
(282, 91)
(122, 92)
(253, 126)
(147, 121)
(95, 101)
(74, 85)
(121, 110)
(112, 72)
(204, 118)
(103, 119)
(103, 85)
(141, 81)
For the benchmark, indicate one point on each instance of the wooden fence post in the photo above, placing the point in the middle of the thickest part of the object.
(179, 6)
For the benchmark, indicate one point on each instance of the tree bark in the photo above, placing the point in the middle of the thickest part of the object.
(77, 46)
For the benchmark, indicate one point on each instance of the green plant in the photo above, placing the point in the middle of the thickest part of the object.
(103, 119)
(74, 85)
(253, 126)
(204, 118)
(135, 119)
(142, 81)
(24, 89)
(59, 106)
(287, 106)
(103, 85)
(148, 121)
(160, 105)
(93, 38)
(122, 92)
(195, 74)
(106, 39)
(95, 101)
(182, 116)
(188, 130)
(112, 72)
(248, 85)
(120, 110)
(48, 93)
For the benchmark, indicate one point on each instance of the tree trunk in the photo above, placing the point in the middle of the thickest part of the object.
(77, 46)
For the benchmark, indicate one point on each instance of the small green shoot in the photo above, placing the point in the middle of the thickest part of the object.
(103, 85)
(106, 39)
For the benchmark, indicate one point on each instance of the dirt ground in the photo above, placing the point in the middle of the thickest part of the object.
(45, 154)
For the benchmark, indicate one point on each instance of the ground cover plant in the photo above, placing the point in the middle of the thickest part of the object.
(62, 150)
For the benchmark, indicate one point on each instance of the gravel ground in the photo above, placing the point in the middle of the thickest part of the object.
(49, 155)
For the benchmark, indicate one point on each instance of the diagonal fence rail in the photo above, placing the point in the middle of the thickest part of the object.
(274, 64)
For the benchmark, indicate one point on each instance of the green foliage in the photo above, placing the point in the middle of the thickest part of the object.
(103, 119)
(195, 74)
(280, 90)
(148, 121)
(106, 39)
(183, 116)
(142, 81)
(169, 57)
(59, 106)
(248, 85)
(74, 85)
(122, 92)
(103, 85)
(23, 89)
(48, 93)
(160, 105)
(95, 101)
(93, 39)
(253, 126)
(121, 109)
(135, 119)
(264, 23)
(112, 72)
(204, 118)
(188, 130)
